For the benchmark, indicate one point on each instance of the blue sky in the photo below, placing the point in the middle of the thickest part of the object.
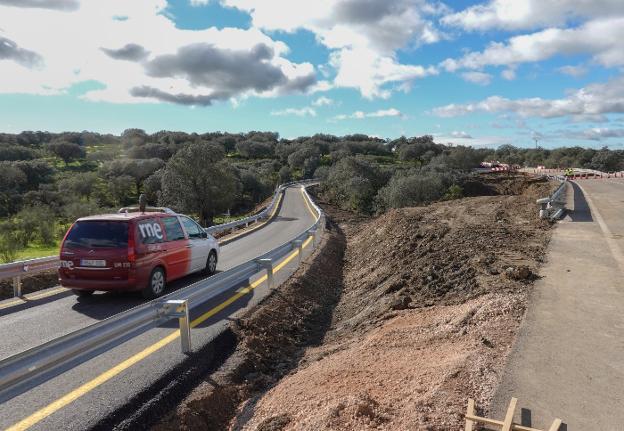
(479, 73)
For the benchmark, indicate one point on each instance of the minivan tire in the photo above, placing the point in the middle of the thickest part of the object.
(211, 263)
(155, 285)
(82, 293)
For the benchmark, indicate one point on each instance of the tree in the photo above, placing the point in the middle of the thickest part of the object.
(606, 161)
(67, 151)
(198, 179)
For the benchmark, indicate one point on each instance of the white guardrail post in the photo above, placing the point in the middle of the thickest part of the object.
(17, 286)
(298, 244)
(179, 308)
(267, 264)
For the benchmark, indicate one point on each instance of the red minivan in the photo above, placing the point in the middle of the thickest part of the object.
(137, 251)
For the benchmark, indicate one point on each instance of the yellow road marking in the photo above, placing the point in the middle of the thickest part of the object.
(53, 407)
(33, 297)
(314, 214)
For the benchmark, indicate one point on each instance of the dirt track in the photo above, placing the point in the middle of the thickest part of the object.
(430, 300)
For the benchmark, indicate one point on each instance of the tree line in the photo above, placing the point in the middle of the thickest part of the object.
(47, 180)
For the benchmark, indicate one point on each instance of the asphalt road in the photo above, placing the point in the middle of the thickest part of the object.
(90, 393)
(568, 361)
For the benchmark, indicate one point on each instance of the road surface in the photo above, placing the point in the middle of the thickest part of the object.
(87, 395)
(568, 361)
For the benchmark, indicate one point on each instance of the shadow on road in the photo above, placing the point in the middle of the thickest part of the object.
(581, 212)
(527, 420)
(104, 305)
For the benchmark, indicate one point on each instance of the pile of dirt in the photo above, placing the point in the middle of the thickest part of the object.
(271, 341)
(431, 303)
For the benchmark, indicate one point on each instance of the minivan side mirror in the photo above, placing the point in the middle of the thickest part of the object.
(203, 234)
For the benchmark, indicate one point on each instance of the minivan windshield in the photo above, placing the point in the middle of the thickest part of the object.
(98, 234)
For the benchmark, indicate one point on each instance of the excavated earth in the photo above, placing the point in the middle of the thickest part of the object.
(393, 324)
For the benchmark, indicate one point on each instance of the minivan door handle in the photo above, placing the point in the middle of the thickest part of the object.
(189, 246)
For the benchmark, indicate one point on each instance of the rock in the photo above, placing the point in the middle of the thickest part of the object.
(518, 273)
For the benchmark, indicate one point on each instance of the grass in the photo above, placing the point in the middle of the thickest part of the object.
(37, 250)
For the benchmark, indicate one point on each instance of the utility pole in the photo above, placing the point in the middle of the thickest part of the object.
(535, 139)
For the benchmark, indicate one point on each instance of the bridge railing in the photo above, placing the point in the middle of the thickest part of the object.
(19, 269)
(25, 370)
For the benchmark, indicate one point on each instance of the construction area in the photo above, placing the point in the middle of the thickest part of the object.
(394, 322)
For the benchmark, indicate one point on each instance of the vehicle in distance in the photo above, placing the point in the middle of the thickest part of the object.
(134, 251)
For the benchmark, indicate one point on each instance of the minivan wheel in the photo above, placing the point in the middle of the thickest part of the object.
(211, 263)
(82, 293)
(155, 285)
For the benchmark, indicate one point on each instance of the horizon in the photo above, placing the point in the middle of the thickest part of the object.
(474, 73)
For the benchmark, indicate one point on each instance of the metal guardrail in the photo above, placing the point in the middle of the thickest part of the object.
(32, 367)
(19, 269)
(553, 206)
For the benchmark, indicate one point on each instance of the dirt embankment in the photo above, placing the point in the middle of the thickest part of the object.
(430, 301)
(271, 342)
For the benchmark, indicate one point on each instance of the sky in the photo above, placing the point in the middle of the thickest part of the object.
(479, 73)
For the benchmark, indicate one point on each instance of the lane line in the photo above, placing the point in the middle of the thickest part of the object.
(53, 407)
(33, 297)
(616, 252)
(314, 214)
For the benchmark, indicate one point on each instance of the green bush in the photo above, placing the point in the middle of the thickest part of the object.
(454, 192)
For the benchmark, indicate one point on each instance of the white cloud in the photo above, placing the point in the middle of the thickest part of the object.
(509, 74)
(600, 38)
(363, 35)
(594, 134)
(368, 72)
(199, 2)
(480, 78)
(144, 57)
(530, 14)
(575, 71)
(323, 101)
(299, 112)
(360, 115)
(461, 135)
(585, 103)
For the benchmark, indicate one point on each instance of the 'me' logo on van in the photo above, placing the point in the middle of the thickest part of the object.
(150, 230)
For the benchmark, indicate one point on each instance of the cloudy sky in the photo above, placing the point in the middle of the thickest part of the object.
(470, 72)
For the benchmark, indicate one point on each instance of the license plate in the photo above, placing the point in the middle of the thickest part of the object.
(93, 262)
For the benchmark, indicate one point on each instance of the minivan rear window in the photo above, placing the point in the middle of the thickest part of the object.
(98, 234)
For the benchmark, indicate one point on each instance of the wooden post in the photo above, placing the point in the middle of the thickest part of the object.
(470, 412)
(509, 415)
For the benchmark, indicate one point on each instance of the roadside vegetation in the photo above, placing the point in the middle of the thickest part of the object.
(48, 180)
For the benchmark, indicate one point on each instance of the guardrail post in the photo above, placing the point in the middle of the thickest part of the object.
(298, 244)
(313, 235)
(268, 265)
(17, 286)
(181, 311)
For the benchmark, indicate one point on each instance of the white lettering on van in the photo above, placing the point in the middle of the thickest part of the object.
(149, 230)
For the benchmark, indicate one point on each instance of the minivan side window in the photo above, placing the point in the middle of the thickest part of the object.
(172, 228)
(191, 227)
(149, 231)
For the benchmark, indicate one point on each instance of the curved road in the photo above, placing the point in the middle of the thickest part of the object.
(86, 395)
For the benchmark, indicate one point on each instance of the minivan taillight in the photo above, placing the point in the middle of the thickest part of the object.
(131, 252)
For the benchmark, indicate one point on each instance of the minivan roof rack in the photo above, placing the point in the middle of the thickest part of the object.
(135, 209)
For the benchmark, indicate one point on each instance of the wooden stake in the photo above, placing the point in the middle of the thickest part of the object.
(470, 412)
(508, 422)
(555, 425)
